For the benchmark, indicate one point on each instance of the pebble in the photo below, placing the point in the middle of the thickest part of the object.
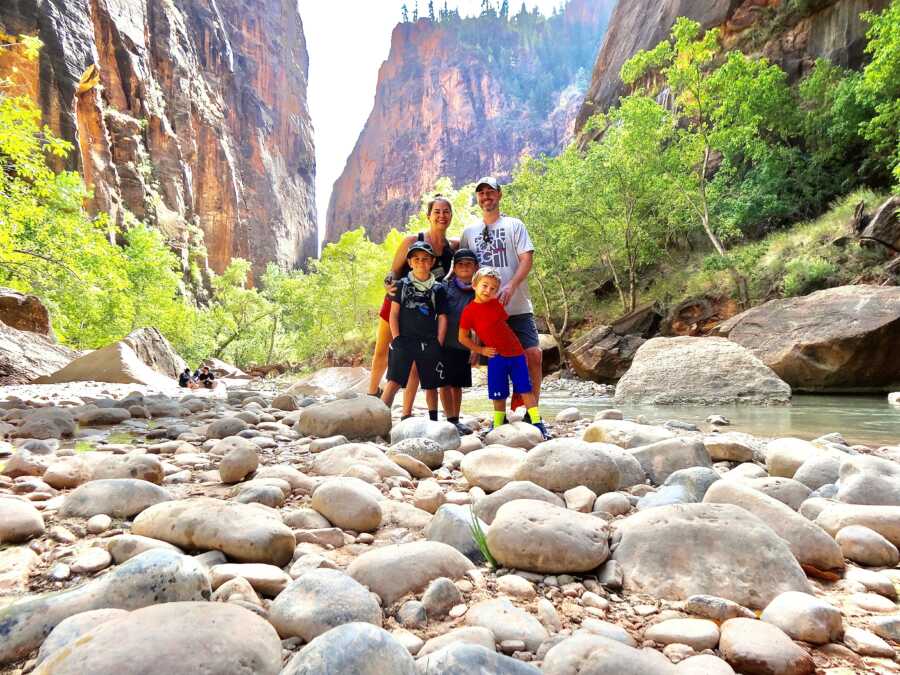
(99, 523)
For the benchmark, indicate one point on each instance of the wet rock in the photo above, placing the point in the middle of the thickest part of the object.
(358, 648)
(116, 497)
(486, 507)
(805, 617)
(364, 417)
(152, 577)
(243, 532)
(465, 659)
(808, 542)
(19, 521)
(599, 655)
(452, 525)
(349, 503)
(507, 622)
(540, 537)
(340, 459)
(393, 571)
(866, 547)
(442, 433)
(199, 637)
(564, 463)
(625, 434)
(492, 467)
(139, 467)
(760, 648)
(711, 540)
(320, 600)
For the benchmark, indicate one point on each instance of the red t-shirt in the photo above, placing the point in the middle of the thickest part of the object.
(488, 320)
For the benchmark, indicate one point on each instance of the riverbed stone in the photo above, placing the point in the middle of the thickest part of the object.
(867, 488)
(788, 491)
(452, 525)
(711, 540)
(442, 433)
(340, 459)
(630, 471)
(866, 547)
(818, 470)
(885, 520)
(717, 609)
(124, 547)
(238, 463)
(359, 648)
(19, 521)
(865, 643)
(349, 503)
(486, 507)
(320, 600)
(661, 459)
(90, 560)
(760, 648)
(393, 571)
(45, 423)
(703, 664)
(225, 427)
(514, 435)
(809, 543)
(625, 434)
(728, 447)
(65, 473)
(475, 635)
(461, 658)
(492, 467)
(784, 456)
(69, 630)
(360, 418)
(426, 450)
(244, 532)
(152, 577)
(137, 466)
(565, 463)
(266, 580)
(805, 617)
(204, 637)
(699, 634)
(116, 497)
(598, 655)
(536, 536)
(507, 622)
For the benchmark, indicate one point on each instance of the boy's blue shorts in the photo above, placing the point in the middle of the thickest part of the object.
(502, 369)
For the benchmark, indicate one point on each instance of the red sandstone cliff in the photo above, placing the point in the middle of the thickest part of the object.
(792, 38)
(457, 99)
(199, 118)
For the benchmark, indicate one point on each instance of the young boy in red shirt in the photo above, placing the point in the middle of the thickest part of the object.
(506, 358)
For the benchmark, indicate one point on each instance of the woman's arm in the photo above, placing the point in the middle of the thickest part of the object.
(400, 255)
(466, 341)
(394, 320)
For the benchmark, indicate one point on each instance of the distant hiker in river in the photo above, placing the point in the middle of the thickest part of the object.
(186, 380)
(440, 214)
(486, 317)
(418, 323)
(502, 242)
(205, 378)
(457, 358)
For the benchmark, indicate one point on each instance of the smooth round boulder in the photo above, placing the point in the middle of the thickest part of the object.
(564, 463)
(515, 435)
(349, 503)
(19, 521)
(69, 630)
(443, 433)
(486, 507)
(67, 472)
(340, 459)
(492, 467)
(319, 601)
(866, 547)
(358, 648)
(116, 497)
(805, 617)
(533, 535)
(426, 450)
(760, 648)
(461, 658)
(363, 417)
(103, 417)
(139, 467)
(238, 463)
(699, 634)
(452, 525)
(199, 637)
(598, 655)
(785, 456)
(625, 434)
(225, 427)
(507, 622)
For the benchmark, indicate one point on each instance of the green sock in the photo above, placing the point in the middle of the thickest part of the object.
(534, 415)
(499, 417)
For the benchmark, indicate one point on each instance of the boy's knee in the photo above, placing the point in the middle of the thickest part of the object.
(534, 356)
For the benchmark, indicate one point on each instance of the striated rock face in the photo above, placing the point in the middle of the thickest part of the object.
(463, 99)
(194, 115)
(793, 39)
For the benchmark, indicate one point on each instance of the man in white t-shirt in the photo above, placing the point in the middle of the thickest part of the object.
(503, 242)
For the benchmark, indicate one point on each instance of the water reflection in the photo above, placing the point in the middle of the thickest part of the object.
(860, 419)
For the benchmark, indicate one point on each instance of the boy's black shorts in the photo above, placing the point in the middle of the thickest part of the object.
(426, 354)
(459, 370)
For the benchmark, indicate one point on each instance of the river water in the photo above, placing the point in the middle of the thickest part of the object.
(868, 420)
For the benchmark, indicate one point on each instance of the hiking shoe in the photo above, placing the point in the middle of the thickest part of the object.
(462, 428)
(544, 433)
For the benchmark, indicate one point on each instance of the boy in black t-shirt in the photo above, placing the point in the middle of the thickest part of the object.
(418, 323)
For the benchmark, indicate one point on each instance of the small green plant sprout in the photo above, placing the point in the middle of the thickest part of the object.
(481, 539)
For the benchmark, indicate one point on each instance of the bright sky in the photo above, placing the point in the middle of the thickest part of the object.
(347, 43)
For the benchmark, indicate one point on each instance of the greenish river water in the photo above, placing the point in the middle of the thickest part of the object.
(860, 419)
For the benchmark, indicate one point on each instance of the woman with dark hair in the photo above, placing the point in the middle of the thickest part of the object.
(440, 214)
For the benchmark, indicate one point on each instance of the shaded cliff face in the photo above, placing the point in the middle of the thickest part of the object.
(463, 99)
(198, 120)
(793, 39)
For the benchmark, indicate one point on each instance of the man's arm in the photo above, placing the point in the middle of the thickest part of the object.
(400, 255)
(526, 261)
(394, 320)
(466, 341)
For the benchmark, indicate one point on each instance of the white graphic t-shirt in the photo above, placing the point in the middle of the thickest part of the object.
(507, 239)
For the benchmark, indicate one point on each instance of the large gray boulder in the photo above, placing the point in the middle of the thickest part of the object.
(442, 433)
(141, 357)
(838, 339)
(701, 371)
(360, 418)
(661, 459)
(564, 463)
(702, 549)
(486, 507)
(116, 497)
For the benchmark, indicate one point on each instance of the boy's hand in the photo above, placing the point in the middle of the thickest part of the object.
(488, 352)
(390, 288)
